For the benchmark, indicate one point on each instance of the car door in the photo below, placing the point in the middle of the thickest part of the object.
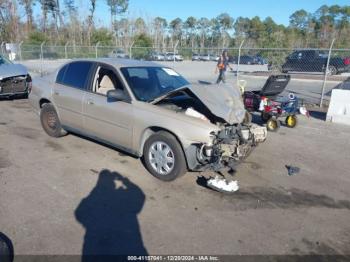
(68, 92)
(309, 61)
(108, 121)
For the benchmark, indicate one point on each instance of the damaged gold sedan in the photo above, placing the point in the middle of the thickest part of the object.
(149, 111)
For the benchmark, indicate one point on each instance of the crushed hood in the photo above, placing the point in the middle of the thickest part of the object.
(10, 70)
(222, 100)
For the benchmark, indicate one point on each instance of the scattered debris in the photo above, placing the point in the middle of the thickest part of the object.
(191, 112)
(221, 185)
(292, 170)
(304, 111)
(94, 171)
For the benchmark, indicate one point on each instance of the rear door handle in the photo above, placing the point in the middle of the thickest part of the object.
(90, 102)
(56, 93)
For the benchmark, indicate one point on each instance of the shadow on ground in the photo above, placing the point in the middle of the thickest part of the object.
(272, 198)
(318, 115)
(109, 216)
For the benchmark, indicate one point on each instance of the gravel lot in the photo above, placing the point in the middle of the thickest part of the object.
(43, 182)
(73, 196)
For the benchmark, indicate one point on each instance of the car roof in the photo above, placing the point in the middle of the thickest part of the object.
(120, 62)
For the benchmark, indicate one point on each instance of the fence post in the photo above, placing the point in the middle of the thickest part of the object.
(20, 50)
(175, 46)
(65, 50)
(2, 47)
(96, 49)
(326, 72)
(238, 61)
(130, 49)
(41, 58)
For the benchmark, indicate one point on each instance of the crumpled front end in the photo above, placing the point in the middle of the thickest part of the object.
(230, 146)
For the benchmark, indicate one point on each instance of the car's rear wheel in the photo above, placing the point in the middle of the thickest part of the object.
(163, 157)
(50, 121)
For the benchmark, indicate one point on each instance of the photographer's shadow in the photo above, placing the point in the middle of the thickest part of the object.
(109, 216)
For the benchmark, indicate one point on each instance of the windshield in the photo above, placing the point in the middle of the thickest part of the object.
(4, 61)
(149, 83)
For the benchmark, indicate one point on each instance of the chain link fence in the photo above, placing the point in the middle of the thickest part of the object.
(314, 71)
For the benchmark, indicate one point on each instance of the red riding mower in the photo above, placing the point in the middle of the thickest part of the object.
(271, 108)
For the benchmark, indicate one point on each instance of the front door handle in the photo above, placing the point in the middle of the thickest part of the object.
(90, 102)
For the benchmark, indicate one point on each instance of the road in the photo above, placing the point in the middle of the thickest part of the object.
(73, 196)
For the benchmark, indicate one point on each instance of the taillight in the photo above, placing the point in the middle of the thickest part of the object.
(29, 84)
(347, 61)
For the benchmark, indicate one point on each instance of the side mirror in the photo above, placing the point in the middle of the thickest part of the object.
(116, 95)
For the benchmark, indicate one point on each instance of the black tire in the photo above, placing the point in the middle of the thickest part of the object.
(273, 124)
(291, 121)
(332, 70)
(50, 121)
(265, 117)
(179, 166)
(25, 96)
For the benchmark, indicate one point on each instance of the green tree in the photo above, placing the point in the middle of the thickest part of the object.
(36, 38)
(143, 45)
(300, 19)
(225, 22)
(176, 28)
(160, 24)
(190, 25)
(140, 26)
(28, 7)
(117, 7)
(103, 36)
(203, 26)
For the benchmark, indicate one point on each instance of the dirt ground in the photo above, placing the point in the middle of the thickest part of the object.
(75, 196)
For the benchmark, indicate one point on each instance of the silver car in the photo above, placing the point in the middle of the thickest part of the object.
(118, 53)
(14, 79)
(150, 111)
(173, 57)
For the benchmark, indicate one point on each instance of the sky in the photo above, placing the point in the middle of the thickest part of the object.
(279, 10)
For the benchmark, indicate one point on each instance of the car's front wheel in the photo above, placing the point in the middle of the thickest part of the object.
(50, 121)
(332, 70)
(163, 157)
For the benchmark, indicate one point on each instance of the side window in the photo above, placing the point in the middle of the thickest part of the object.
(76, 74)
(309, 54)
(106, 80)
(60, 74)
(294, 55)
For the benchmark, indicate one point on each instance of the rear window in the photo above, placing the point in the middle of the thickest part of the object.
(75, 75)
(60, 74)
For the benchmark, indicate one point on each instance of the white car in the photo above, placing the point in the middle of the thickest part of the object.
(171, 57)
